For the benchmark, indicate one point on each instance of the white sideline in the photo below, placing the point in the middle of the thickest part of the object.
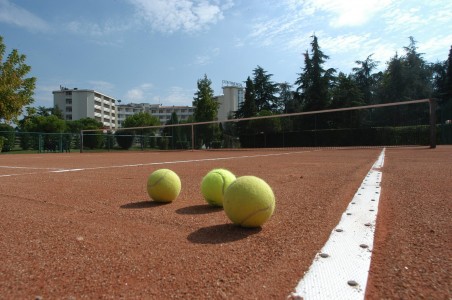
(60, 170)
(341, 268)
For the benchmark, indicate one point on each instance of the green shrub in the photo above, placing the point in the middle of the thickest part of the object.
(9, 133)
(124, 139)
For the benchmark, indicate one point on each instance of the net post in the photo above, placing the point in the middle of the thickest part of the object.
(81, 141)
(433, 104)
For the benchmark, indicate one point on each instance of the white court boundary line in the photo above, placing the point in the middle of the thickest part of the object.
(60, 170)
(341, 268)
(28, 168)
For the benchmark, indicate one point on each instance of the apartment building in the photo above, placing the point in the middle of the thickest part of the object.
(82, 103)
(163, 113)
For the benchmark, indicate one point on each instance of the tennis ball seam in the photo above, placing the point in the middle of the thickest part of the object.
(253, 214)
(160, 179)
(223, 179)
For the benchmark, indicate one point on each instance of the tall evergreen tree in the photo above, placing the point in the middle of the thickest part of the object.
(206, 109)
(314, 82)
(418, 73)
(393, 84)
(407, 77)
(365, 79)
(264, 90)
(286, 101)
(448, 85)
(248, 108)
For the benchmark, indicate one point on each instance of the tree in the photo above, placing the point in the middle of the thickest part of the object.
(407, 77)
(8, 136)
(264, 90)
(174, 132)
(16, 91)
(206, 109)
(248, 108)
(346, 93)
(365, 79)
(286, 101)
(314, 82)
(140, 119)
(448, 84)
(47, 126)
(125, 137)
(92, 140)
(419, 73)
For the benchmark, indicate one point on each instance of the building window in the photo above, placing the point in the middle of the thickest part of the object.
(68, 117)
(153, 111)
(68, 101)
(68, 109)
(68, 93)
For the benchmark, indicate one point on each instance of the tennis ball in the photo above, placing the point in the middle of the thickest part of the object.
(214, 184)
(163, 185)
(249, 201)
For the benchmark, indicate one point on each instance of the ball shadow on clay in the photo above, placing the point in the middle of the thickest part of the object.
(223, 233)
(198, 209)
(143, 204)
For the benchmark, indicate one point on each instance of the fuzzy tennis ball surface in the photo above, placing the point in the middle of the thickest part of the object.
(249, 201)
(214, 184)
(163, 185)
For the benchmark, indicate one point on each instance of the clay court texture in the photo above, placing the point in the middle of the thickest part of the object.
(82, 226)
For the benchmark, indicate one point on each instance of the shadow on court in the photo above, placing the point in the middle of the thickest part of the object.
(198, 209)
(143, 204)
(219, 234)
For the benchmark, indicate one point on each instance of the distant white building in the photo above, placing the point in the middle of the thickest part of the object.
(231, 100)
(84, 103)
(80, 103)
(163, 113)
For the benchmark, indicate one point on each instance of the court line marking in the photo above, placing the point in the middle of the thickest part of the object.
(28, 168)
(61, 170)
(181, 161)
(341, 268)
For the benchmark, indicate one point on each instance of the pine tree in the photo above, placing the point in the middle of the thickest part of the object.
(206, 109)
(314, 82)
(365, 79)
(448, 87)
(264, 90)
(248, 108)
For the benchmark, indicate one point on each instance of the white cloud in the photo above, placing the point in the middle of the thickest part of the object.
(436, 47)
(12, 14)
(176, 96)
(138, 93)
(181, 15)
(205, 59)
(341, 13)
(102, 86)
(97, 30)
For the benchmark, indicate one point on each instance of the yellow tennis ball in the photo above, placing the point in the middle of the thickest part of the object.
(249, 201)
(163, 185)
(214, 184)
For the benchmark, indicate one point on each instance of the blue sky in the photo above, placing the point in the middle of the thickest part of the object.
(154, 51)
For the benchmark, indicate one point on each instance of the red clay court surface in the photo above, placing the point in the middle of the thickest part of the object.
(94, 233)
